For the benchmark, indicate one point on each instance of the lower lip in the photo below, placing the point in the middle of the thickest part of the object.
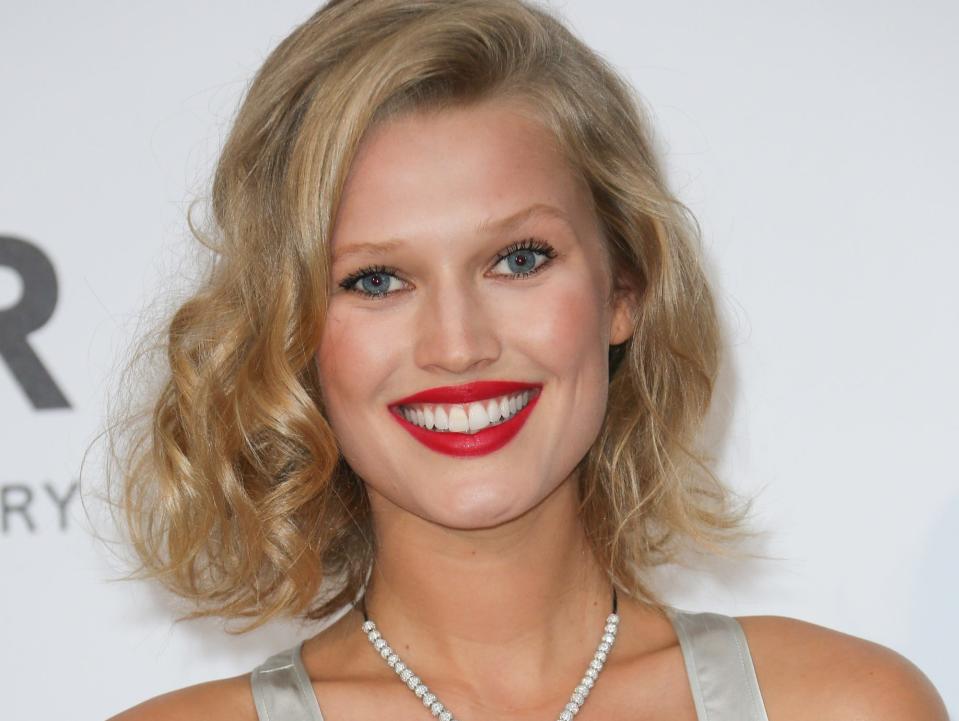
(470, 444)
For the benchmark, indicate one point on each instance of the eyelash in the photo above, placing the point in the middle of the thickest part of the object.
(532, 244)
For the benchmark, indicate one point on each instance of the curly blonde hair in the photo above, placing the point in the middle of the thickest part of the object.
(231, 486)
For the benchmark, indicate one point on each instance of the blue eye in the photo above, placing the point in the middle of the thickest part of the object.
(522, 258)
(373, 282)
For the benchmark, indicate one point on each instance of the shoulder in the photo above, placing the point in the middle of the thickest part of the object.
(806, 671)
(229, 699)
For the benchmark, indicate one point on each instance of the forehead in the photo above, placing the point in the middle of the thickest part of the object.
(448, 171)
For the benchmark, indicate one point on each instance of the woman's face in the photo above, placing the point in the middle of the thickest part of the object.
(441, 217)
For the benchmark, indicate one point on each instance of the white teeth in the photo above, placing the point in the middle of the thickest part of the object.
(493, 411)
(477, 417)
(459, 423)
(468, 418)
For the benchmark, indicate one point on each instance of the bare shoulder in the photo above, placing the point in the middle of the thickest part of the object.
(806, 671)
(228, 699)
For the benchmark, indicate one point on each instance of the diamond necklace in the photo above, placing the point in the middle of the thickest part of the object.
(439, 710)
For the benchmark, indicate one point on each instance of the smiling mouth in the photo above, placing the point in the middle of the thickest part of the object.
(466, 418)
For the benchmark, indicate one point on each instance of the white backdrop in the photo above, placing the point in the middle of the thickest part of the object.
(817, 147)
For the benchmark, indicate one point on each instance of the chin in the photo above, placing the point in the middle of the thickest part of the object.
(486, 507)
(479, 509)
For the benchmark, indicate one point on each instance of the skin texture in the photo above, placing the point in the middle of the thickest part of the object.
(499, 535)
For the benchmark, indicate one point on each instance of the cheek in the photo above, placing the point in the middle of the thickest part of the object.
(352, 355)
(354, 360)
(563, 327)
(567, 337)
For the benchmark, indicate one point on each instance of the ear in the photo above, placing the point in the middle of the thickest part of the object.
(623, 317)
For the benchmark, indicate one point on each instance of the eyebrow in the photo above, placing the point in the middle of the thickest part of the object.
(485, 226)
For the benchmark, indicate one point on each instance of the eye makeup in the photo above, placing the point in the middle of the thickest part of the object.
(529, 246)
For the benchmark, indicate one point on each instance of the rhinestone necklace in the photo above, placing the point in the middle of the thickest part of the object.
(439, 710)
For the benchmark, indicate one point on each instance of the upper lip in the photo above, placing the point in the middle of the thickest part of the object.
(475, 391)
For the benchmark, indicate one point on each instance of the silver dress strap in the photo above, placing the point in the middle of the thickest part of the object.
(719, 666)
(282, 689)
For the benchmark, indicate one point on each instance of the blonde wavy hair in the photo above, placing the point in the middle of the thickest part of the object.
(231, 487)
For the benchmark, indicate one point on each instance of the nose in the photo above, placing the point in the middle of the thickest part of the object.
(456, 332)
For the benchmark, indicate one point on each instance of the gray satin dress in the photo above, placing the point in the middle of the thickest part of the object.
(720, 670)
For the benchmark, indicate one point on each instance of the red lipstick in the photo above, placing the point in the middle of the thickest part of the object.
(466, 393)
(469, 444)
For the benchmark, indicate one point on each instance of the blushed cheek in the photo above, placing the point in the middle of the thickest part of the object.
(348, 359)
(570, 346)
(329, 359)
(565, 328)
(347, 374)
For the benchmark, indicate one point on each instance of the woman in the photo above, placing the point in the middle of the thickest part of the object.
(447, 374)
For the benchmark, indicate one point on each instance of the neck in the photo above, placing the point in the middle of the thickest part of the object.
(528, 594)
